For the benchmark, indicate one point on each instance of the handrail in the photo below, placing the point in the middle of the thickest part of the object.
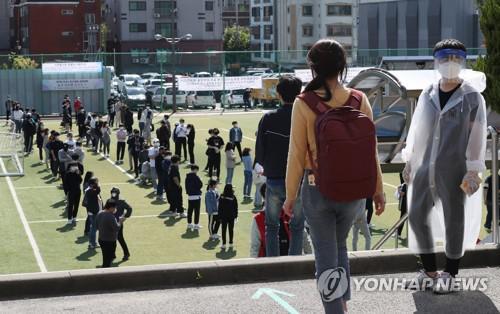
(390, 232)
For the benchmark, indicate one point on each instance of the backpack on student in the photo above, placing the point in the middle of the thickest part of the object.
(346, 166)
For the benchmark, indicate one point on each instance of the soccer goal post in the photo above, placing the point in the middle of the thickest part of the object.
(11, 155)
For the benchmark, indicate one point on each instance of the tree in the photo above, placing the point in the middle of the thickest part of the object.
(17, 62)
(490, 64)
(236, 38)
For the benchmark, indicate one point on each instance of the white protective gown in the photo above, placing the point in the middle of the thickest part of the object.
(442, 145)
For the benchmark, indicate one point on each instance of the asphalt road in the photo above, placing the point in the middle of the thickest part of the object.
(295, 296)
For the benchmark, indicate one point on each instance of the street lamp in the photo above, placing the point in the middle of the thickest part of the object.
(173, 41)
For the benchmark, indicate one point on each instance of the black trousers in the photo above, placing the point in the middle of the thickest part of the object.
(122, 242)
(227, 225)
(369, 214)
(429, 262)
(81, 130)
(181, 143)
(165, 144)
(112, 119)
(108, 249)
(194, 207)
(238, 147)
(403, 209)
(7, 115)
(120, 150)
(54, 167)
(175, 199)
(28, 143)
(214, 165)
(213, 224)
(40, 153)
(73, 203)
(135, 158)
(191, 153)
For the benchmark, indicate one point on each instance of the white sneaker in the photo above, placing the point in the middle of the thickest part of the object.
(223, 246)
(445, 283)
(190, 226)
(197, 227)
(183, 215)
(422, 282)
(70, 222)
(230, 245)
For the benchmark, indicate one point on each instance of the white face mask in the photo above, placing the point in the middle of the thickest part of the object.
(450, 70)
(113, 195)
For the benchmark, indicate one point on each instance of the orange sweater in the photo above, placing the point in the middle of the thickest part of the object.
(302, 134)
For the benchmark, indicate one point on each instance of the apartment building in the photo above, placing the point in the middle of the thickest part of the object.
(235, 12)
(263, 28)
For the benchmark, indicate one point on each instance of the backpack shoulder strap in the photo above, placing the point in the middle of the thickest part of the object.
(355, 99)
(314, 102)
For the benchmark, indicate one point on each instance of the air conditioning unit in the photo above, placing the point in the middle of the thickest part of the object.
(157, 15)
(144, 60)
(136, 60)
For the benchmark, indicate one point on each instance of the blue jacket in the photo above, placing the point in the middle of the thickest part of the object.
(235, 133)
(211, 202)
(193, 184)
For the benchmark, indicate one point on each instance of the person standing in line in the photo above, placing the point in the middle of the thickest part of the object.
(163, 135)
(193, 186)
(135, 145)
(148, 125)
(55, 146)
(247, 162)
(108, 232)
(230, 162)
(175, 189)
(64, 156)
(128, 119)
(29, 130)
(118, 111)
(181, 140)
(8, 108)
(259, 180)
(92, 201)
(165, 167)
(123, 212)
(236, 137)
(210, 134)
(153, 153)
(121, 140)
(86, 183)
(42, 139)
(228, 214)
(81, 117)
(73, 183)
(160, 173)
(141, 117)
(212, 208)
(111, 111)
(79, 151)
(215, 144)
(191, 133)
(77, 105)
(17, 116)
(106, 138)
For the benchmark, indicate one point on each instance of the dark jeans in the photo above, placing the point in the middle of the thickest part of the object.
(112, 119)
(213, 224)
(191, 153)
(135, 158)
(28, 143)
(194, 206)
(238, 147)
(122, 242)
(165, 144)
(108, 249)
(120, 150)
(175, 199)
(214, 165)
(54, 167)
(225, 225)
(180, 142)
(73, 203)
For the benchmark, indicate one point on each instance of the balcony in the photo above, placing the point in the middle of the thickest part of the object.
(164, 14)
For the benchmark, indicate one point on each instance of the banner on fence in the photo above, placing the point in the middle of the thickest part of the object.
(71, 67)
(306, 75)
(72, 84)
(219, 83)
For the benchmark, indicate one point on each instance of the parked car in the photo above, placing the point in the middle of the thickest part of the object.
(202, 74)
(235, 98)
(202, 99)
(153, 84)
(130, 79)
(134, 96)
(164, 97)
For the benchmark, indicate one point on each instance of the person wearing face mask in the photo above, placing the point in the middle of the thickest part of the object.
(135, 145)
(73, 180)
(163, 134)
(64, 159)
(121, 139)
(108, 231)
(180, 140)
(153, 152)
(123, 212)
(79, 152)
(215, 144)
(190, 142)
(165, 169)
(92, 201)
(445, 155)
(236, 136)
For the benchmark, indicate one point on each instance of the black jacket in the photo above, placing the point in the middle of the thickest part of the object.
(193, 184)
(122, 209)
(163, 133)
(81, 116)
(273, 139)
(92, 200)
(72, 182)
(129, 118)
(29, 127)
(228, 208)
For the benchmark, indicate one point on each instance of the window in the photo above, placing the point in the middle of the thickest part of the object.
(307, 30)
(66, 12)
(137, 5)
(89, 18)
(339, 9)
(256, 32)
(138, 27)
(256, 14)
(166, 29)
(209, 5)
(165, 7)
(268, 48)
(307, 10)
(268, 31)
(339, 30)
(268, 12)
(209, 27)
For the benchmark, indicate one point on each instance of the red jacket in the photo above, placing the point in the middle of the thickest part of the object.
(77, 105)
(260, 219)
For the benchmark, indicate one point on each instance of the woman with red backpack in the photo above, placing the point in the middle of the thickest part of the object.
(333, 150)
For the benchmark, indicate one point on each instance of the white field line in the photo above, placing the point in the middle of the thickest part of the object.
(118, 167)
(218, 113)
(132, 217)
(25, 223)
(248, 138)
(55, 186)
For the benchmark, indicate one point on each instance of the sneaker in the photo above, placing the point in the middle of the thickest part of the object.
(74, 221)
(422, 282)
(70, 222)
(125, 258)
(183, 215)
(197, 227)
(445, 284)
(223, 246)
(171, 214)
(230, 245)
(190, 226)
(216, 236)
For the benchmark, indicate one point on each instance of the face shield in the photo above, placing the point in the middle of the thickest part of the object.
(449, 63)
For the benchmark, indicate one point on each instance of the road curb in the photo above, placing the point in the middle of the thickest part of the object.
(216, 273)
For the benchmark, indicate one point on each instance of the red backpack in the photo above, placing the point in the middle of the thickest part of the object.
(346, 167)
